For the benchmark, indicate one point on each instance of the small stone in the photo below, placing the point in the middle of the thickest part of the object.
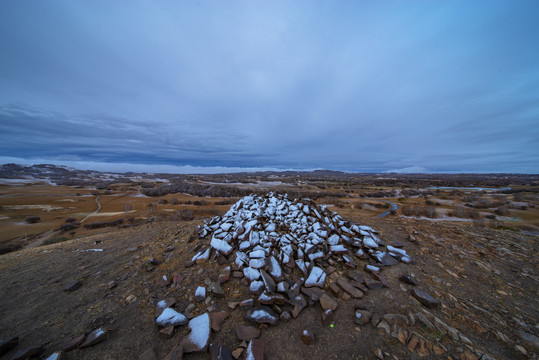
(285, 315)
(111, 285)
(375, 319)
(170, 317)
(307, 336)
(327, 302)
(217, 318)
(378, 353)
(362, 317)
(521, 350)
(200, 294)
(246, 332)
(384, 327)
(167, 332)
(345, 296)
(73, 344)
(177, 278)
(299, 303)
(130, 298)
(373, 284)
(247, 304)
(424, 298)
(408, 279)
(216, 289)
(95, 337)
(73, 286)
(232, 304)
(237, 353)
(349, 288)
(164, 281)
(360, 305)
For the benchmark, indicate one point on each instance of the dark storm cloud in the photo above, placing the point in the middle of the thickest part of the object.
(357, 86)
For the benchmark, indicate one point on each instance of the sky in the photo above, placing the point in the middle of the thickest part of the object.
(219, 86)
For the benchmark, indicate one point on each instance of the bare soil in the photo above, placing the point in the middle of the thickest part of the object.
(485, 279)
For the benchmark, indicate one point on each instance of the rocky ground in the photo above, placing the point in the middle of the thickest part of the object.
(475, 298)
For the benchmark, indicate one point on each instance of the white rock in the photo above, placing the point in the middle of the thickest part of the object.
(170, 317)
(317, 277)
(251, 274)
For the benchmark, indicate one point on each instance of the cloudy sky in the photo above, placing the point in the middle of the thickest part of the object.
(368, 86)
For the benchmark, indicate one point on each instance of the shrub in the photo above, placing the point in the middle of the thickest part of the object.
(33, 219)
(54, 240)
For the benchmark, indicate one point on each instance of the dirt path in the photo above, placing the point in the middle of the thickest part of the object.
(95, 212)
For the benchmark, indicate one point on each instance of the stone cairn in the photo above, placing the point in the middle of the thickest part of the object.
(283, 250)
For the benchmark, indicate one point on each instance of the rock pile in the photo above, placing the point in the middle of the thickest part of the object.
(267, 237)
(283, 250)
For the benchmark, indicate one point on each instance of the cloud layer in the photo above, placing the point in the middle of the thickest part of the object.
(355, 86)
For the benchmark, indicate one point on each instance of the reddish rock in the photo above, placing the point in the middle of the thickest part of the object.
(327, 302)
(247, 333)
(307, 336)
(373, 284)
(73, 344)
(424, 298)
(255, 350)
(217, 318)
(167, 332)
(95, 337)
(351, 290)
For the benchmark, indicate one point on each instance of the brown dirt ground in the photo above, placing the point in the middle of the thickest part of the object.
(486, 281)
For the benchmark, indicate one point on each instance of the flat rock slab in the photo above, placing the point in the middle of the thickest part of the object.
(327, 302)
(246, 332)
(424, 298)
(349, 288)
(73, 344)
(95, 337)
